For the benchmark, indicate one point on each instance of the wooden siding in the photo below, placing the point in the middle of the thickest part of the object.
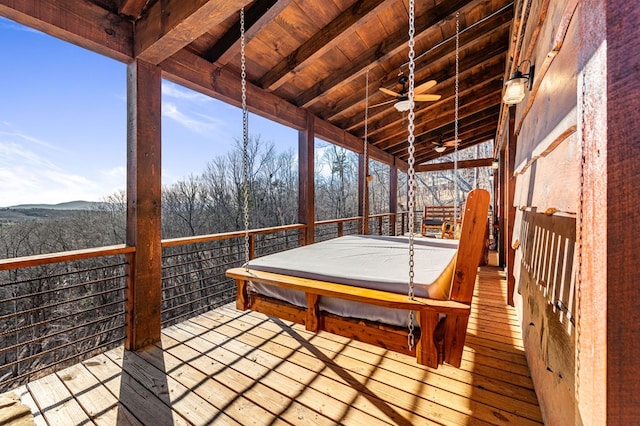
(231, 367)
(546, 179)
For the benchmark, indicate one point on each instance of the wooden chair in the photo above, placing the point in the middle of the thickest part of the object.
(440, 339)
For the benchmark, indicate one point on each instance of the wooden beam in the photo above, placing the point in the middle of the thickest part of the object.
(132, 8)
(510, 209)
(80, 22)
(170, 25)
(336, 32)
(306, 181)
(479, 52)
(392, 45)
(257, 17)
(144, 201)
(200, 75)
(464, 164)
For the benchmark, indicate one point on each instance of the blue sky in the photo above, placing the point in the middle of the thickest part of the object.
(63, 123)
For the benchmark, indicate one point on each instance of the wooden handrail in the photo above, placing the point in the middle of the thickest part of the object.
(341, 220)
(65, 256)
(68, 256)
(172, 242)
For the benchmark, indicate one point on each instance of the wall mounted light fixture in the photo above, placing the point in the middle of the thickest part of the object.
(514, 87)
(495, 164)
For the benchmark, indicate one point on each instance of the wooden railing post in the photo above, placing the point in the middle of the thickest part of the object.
(340, 229)
(306, 167)
(252, 246)
(144, 199)
(393, 198)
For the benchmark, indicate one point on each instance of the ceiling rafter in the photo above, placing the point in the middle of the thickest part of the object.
(429, 155)
(445, 128)
(169, 26)
(256, 18)
(133, 8)
(471, 97)
(490, 64)
(464, 164)
(490, 49)
(389, 47)
(336, 32)
(77, 21)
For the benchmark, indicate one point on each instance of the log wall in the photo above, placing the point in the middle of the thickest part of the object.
(546, 200)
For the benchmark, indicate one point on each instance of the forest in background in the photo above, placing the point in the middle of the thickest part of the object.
(212, 201)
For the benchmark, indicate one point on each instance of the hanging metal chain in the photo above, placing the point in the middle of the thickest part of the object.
(366, 158)
(412, 174)
(456, 213)
(245, 141)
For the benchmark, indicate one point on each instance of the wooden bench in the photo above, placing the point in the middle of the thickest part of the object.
(438, 219)
(443, 323)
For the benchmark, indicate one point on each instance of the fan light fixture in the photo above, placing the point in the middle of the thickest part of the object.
(440, 148)
(514, 87)
(403, 105)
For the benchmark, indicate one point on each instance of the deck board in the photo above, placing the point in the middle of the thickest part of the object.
(232, 367)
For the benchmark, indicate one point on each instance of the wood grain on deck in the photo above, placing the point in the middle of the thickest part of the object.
(231, 367)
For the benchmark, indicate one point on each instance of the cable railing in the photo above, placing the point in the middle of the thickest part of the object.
(59, 309)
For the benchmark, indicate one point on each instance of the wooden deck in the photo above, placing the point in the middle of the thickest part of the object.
(231, 367)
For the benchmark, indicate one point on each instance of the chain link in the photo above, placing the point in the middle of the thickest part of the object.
(411, 172)
(245, 141)
(365, 196)
(456, 213)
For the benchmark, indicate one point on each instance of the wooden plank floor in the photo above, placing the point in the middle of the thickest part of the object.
(231, 367)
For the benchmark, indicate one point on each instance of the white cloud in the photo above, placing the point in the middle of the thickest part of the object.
(27, 177)
(196, 122)
(172, 90)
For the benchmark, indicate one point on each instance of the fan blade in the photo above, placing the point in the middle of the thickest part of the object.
(426, 98)
(389, 92)
(382, 103)
(452, 143)
(424, 87)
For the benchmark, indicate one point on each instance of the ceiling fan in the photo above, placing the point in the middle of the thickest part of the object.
(441, 145)
(402, 98)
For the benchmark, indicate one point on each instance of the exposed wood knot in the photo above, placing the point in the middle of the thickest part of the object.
(110, 32)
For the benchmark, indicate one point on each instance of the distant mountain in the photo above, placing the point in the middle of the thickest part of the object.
(70, 205)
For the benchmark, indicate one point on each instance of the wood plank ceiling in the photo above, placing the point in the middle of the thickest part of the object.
(310, 55)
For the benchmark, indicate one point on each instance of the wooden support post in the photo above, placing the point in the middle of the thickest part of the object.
(510, 210)
(242, 299)
(501, 245)
(607, 291)
(363, 194)
(340, 229)
(393, 198)
(312, 322)
(144, 196)
(426, 349)
(306, 187)
(252, 246)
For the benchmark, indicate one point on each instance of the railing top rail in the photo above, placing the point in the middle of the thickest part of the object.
(342, 219)
(65, 256)
(172, 242)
